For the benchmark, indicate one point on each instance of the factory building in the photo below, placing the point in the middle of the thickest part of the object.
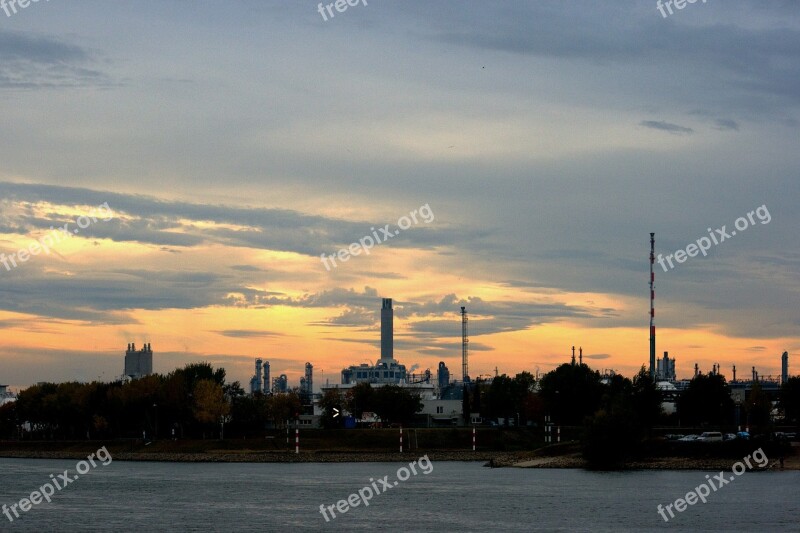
(280, 384)
(5, 395)
(443, 376)
(307, 382)
(386, 369)
(138, 363)
(441, 400)
(255, 381)
(665, 368)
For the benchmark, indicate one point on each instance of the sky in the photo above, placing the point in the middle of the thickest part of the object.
(209, 153)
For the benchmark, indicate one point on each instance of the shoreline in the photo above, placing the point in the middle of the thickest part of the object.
(280, 457)
(493, 459)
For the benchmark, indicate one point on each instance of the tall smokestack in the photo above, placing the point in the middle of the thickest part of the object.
(387, 331)
(464, 346)
(580, 355)
(784, 368)
(652, 307)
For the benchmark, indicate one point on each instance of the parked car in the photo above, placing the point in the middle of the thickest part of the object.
(688, 438)
(743, 435)
(710, 436)
(729, 436)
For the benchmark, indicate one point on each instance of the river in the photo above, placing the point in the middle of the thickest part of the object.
(451, 496)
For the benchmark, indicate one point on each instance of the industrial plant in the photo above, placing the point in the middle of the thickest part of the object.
(138, 363)
(442, 397)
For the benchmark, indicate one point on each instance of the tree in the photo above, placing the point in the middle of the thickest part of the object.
(283, 407)
(706, 401)
(249, 413)
(8, 420)
(360, 398)
(465, 404)
(476, 396)
(571, 393)
(210, 404)
(331, 400)
(790, 400)
(646, 399)
(396, 404)
(759, 409)
(233, 390)
(500, 397)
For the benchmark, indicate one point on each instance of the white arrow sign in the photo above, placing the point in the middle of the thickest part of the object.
(335, 412)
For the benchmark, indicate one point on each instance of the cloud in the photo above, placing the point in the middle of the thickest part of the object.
(666, 126)
(148, 220)
(597, 356)
(726, 124)
(30, 61)
(247, 333)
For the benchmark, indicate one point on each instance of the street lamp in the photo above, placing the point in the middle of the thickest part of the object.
(222, 420)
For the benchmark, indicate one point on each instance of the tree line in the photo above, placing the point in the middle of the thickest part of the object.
(190, 402)
(615, 412)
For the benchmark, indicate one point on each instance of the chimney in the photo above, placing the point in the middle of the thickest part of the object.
(387, 331)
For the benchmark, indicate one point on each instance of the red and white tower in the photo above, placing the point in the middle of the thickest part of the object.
(652, 307)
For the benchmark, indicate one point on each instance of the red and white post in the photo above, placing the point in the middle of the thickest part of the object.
(296, 440)
(473, 438)
(558, 434)
(401, 439)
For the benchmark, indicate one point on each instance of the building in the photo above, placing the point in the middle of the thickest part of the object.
(5, 395)
(255, 381)
(307, 383)
(665, 368)
(441, 400)
(386, 370)
(280, 384)
(266, 386)
(443, 376)
(138, 363)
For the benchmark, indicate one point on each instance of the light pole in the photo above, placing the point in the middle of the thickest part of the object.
(222, 420)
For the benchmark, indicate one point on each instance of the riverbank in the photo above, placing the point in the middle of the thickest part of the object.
(569, 457)
(565, 455)
(245, 456)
